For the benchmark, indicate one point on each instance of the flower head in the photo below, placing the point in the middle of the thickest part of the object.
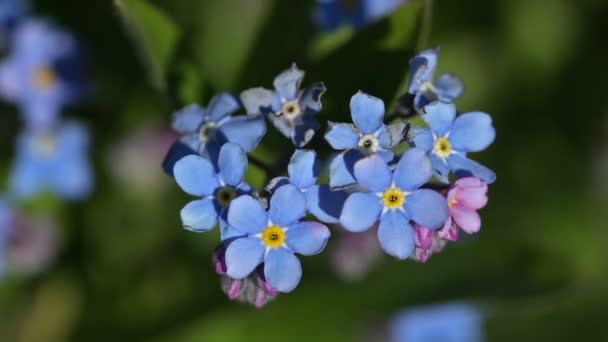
(465, 197)
(394, 198)
(450, 137)
(273, 237)
(291, 110)
(331, 14)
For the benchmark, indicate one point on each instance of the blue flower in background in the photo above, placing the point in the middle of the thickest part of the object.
(304, 168)
(446, 88)
(273, 237)
(330, 14)
(291, 110)
(394, 198)
(43, 72)
(450, 137)
(7, 217)
(197, 177)
(456, 322)
(368, 136)
(10, 13)
(55, 161)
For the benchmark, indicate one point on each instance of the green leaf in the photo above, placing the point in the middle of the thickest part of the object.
(154, 33)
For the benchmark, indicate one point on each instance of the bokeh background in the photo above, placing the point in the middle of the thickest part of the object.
(127, 271)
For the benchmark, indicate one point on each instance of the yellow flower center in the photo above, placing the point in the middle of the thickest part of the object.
(273, 236)
(45, 78)
(393, 198)
(225, 195)
(291, 108)
(442, 147)
(452, 201)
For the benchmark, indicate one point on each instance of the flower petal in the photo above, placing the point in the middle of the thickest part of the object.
(246, 215)
(325, 204)
(232, 164)
(72, 178)
(188, 119)
(259, 100)
(472, 132)
(422, 68)
(246, 131)
(464, 167)
(373, 173)
(200, 215)
(305, 130)
(471, 192)
(310, 99)
(243, 255)
(341, 169)
(226, 231)
(413, 170)
(304, 168)
(341, 136)
(367, 112)
(439, 117)
(307, 238)
(448, 87)
(396, 235)
(441, 167)
(282, 269)
(288, 83)
(221, 106)
(423, 138)
(466, 218)
(195, 175)
(361, 210)
(427, 208)
(287, 205)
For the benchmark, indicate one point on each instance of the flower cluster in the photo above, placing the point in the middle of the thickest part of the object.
(417, 199)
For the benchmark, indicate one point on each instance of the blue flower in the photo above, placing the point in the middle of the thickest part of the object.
(204, 131)
(273, 237)
(197, 177)
(55, 161)
(455, 322)
(394, 198)
(450, 137)
(368, 136)
(330, 14)
(42, 73)
(291, 110)
(304, 168)
(446, 88)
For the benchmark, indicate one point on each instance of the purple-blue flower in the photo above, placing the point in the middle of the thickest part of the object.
(331, 14)
(445, 88)
(273, 237)
(291, 110)
(450, 137)
(43, 72)
(55, 160)
(198, 177)
(394, 198)
(369, 135)
(455, 322)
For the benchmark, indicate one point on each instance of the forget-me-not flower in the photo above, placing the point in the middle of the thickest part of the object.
(331, 14)
(273, 237)
(450, 137)
(394, 198)
(291, 110)
(55, 161)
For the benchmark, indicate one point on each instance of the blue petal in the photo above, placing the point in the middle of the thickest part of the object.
(226, 231)
(72, 178)
(193, 142)
(384, 137)
(386, 155)
(367, 112)
(287, 205)
(310, 99)
(472, 132)
(414, 170)
(423, 138)
(361, 210)
(305, 130)
(307, 238)
(221, 106)
(283, 125)
(464, 167)
(341, 169)
(324, 204)
(200, 215)
(373, 173)
(439, 117)
(288, 83)
(26, 178)
(188, 119)
(427, 208)
(304, 168)
(196, 176)
(341, 136)
(448, 87)
(282, 269)
(243, 255)
(246, 215)
(244, 130)
(440, 166)
(422, 68)
(259, 100)
(396, 235)
(276, 183)
(232, 164)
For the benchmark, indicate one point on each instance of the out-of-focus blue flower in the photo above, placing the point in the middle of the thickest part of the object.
(369, 135)
(43, 72)
(7, 217)
(330, 14)
(446, 88)
(55, 161)
(394, 198)
(456, 322)
(10, 13)
(273, 237)
(197, 176)
(290, 109)
(205, 130)
(450, 137)
(304, 168)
